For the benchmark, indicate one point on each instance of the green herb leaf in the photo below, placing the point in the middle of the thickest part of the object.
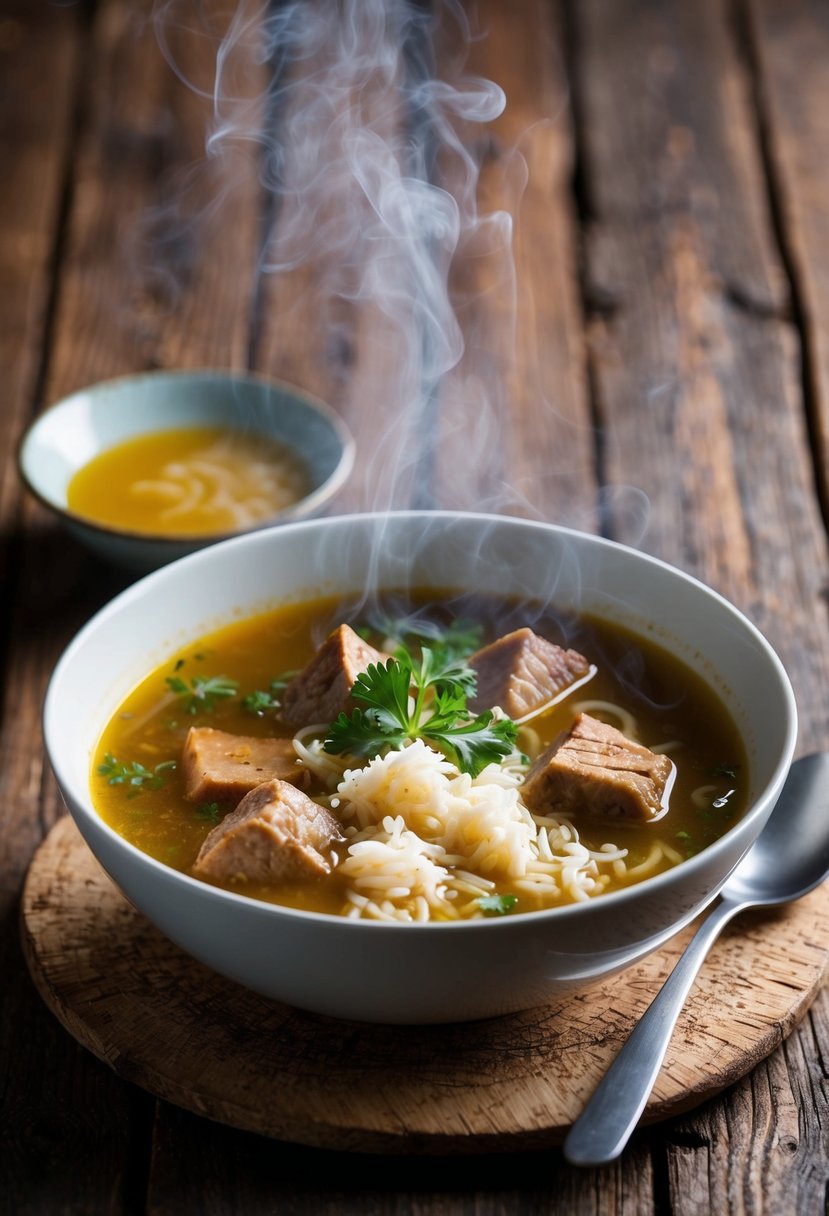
(497, 905)
(439, 670)
(687, 843)
(726, 770)
(208, 811)
(260, 702)
(454, 641)
(392, 718)
(360, 734)
(476, 743)
(202, 693)
(133, 774)
(384, 687)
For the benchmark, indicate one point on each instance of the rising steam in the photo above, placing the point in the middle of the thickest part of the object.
(364, 145)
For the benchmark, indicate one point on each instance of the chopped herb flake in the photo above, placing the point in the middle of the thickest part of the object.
(497, 905)
(260, 702)
(133, 774)
(208, 811)
(726, 770)
(202, 693)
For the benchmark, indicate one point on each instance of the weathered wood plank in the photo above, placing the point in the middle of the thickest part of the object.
(299, 1181)
(160, 260)
(515, 430)
(52, 1092)
(696, 366)
(35, 133)
(761, 1146)
(789, 42)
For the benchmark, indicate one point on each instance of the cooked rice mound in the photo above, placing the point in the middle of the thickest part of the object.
(426, 842)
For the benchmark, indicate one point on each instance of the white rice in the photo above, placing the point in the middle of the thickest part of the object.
(426, 842)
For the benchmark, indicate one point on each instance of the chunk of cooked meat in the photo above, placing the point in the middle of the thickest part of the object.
(523, 673)
(322, 690)
(595, 770)
(276, 834)
(220, 767)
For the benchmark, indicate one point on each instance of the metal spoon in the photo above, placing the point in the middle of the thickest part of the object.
(789, 858)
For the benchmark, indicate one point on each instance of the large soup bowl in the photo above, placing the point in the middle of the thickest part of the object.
(409, 972)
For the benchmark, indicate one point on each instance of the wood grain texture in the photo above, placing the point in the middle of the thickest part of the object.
(696, 365)
(790, 42)
(36, 133)
(515, 431)
(175, 1028)
(154, 273)
(773, 1137)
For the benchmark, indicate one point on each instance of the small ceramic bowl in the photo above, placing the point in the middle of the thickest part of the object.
(393, 972)
(78, 428)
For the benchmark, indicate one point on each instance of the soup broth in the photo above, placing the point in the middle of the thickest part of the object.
(188, 481)
(231, 680)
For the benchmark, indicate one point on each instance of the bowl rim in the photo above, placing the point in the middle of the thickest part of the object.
(611, 900)
(295, 511)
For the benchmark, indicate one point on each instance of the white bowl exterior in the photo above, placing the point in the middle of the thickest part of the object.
(394, 973)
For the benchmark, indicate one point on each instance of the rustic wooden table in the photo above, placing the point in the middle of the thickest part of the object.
(657, 369)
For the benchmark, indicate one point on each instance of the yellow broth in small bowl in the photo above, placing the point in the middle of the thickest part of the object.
(149, 468)
(189, 481)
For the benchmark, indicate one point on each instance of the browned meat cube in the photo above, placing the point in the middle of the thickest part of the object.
(220, 767)
(524, 673)
(322, 690)
(275, 834)
(595, 770)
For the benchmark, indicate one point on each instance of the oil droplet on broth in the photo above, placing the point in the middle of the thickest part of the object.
(188, 481)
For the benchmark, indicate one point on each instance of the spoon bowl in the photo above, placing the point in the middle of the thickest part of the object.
(791, 855)
(789, 858)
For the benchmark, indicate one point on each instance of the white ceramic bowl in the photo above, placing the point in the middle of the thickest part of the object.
(416, 973)
(73, 431)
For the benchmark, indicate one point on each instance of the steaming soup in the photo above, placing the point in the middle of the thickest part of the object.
(188, 481)
(418, 839)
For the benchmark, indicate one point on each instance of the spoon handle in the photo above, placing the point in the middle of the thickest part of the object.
(604, 1126)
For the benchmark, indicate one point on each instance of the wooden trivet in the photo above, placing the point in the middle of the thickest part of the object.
(187, 1035)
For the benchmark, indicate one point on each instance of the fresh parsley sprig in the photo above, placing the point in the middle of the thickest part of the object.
(425, 700)
(202, 692)
(133, 774)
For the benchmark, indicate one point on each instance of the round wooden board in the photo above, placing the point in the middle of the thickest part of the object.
(187, 1035)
